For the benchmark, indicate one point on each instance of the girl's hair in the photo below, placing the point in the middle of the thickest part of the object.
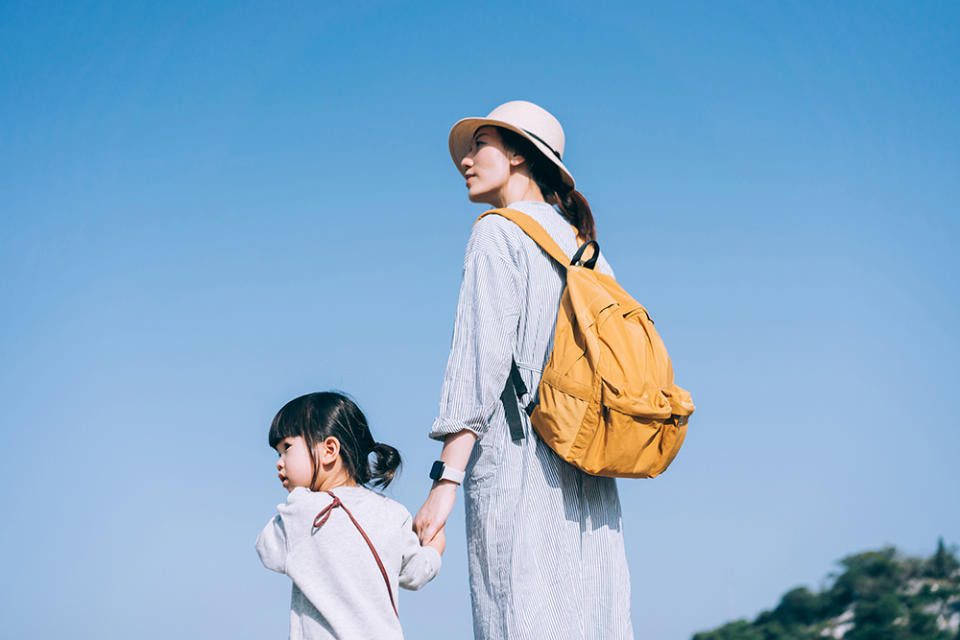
(572, 204)
(318, 416)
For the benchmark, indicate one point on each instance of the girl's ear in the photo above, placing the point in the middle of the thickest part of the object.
(329, 450)
(515, 159)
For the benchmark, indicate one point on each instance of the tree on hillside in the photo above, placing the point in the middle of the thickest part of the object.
(738, 630)
(869, 574)
(799, 606)
(943, 563)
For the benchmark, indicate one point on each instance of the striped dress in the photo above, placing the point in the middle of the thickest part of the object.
(544, 540)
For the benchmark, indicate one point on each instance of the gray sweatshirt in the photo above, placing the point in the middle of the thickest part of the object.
(338, 590)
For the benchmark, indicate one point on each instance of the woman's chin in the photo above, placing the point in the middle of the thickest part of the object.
(479, 197)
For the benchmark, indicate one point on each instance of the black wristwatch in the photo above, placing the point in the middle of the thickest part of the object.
(440, 471)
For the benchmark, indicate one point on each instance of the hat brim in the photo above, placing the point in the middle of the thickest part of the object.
(461, 140)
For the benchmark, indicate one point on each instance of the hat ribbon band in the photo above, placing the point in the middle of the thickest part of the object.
(541, 141)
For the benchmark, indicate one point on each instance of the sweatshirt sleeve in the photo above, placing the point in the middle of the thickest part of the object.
(276, 540)
(484, 333)
(419, 563)
(272, 545)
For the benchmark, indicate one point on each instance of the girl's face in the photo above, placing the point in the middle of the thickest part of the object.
(487, 166)
(295, 466)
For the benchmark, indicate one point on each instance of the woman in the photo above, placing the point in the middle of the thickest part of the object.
(544, 540)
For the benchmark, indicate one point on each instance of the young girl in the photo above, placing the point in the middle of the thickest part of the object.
(345, 547)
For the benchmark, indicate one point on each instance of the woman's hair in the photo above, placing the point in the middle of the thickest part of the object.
(318, 416)
(546, 174)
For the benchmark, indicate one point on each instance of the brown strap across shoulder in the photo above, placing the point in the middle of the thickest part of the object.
(322, 518)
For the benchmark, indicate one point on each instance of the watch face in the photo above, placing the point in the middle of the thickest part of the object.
(436, 470)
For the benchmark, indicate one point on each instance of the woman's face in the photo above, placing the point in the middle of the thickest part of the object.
(487, 166)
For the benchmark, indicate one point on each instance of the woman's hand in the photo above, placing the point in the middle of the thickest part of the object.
(434, 513)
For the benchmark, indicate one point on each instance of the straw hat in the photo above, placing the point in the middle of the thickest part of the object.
(534, 123)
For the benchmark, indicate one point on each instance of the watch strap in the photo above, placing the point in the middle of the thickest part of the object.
(442, 471)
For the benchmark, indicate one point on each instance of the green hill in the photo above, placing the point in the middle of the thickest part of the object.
(878, 595)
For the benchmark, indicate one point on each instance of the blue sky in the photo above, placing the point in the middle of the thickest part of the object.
(207, 211)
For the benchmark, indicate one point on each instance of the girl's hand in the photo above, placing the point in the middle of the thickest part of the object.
(433, 515)
(439, 541)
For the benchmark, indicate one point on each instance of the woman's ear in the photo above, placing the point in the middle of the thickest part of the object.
(515, 159)
(329, 451)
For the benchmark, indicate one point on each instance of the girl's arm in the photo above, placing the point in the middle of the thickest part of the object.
(272, 545)
(419, 564)
(435, 511)
(277, 538)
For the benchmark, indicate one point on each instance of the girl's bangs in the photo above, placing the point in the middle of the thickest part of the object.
(285, 425)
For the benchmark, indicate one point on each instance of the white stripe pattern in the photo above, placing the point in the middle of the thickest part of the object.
(544, 540)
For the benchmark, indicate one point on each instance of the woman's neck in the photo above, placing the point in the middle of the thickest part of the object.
(518, 187)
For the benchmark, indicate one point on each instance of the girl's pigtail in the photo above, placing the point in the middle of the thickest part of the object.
(385, 466)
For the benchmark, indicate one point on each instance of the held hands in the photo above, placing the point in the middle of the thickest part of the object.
(432, 517)
(439, 541)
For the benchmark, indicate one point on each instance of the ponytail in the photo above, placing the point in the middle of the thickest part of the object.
(385, 466)
(575, 208)
(572, 204)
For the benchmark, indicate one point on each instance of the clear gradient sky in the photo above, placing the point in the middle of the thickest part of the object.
(206, 211)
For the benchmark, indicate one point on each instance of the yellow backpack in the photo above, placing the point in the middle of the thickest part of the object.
(607, 401)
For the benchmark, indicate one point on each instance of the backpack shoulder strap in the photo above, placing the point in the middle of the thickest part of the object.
(533, 229)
